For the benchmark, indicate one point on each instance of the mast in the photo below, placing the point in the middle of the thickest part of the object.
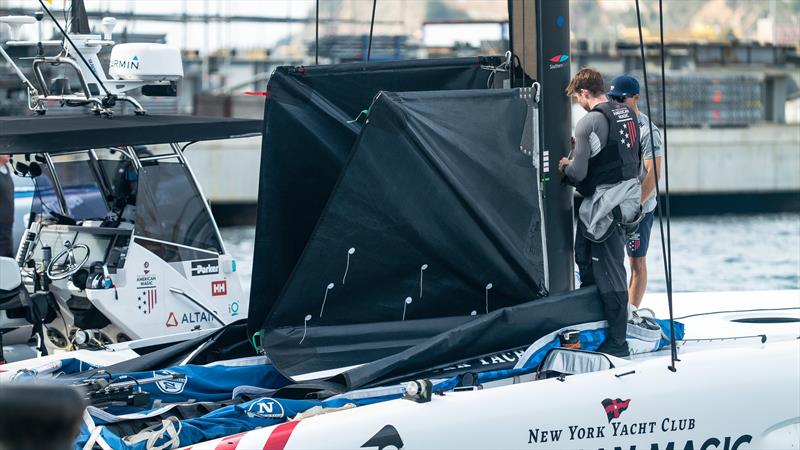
(539, 36)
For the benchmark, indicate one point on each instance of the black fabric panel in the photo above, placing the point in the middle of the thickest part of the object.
(436, 179)
(501, 330)
(335, 346)
(307, 141)
(22, 135)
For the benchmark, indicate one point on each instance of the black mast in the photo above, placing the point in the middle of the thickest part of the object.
(539, 36)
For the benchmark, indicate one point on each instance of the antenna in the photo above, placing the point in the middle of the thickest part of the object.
(486, 293)
(305, 327)
(350, 252)
(108, 27)
(327, 288)
(422, 268)
(405, 304)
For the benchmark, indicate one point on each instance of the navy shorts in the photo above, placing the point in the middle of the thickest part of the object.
(639, 240)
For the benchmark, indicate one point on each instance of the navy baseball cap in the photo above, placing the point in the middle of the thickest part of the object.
(624, 86)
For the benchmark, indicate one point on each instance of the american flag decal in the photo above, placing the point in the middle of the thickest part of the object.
(614, 408)
(634, 242)
(628, 134)
(147, 300)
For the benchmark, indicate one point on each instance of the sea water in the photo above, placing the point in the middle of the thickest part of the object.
(711, 253)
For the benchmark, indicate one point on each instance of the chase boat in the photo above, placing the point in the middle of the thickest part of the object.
(121, 244)
(120, 248)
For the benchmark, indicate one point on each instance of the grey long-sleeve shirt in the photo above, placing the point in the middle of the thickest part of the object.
(591, 132)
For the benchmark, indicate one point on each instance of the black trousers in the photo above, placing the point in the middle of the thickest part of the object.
(603, 264)
(7, 240)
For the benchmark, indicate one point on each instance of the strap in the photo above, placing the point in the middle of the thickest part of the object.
(153, 434)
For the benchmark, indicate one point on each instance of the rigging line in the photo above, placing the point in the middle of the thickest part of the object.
(664, 134)
(371, 27)
(66, 36)
(316, 37)
(664, 244)
(523, 46)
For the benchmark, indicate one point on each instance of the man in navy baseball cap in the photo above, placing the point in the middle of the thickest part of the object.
(623, 87)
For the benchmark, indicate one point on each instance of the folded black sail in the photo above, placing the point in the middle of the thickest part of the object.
(309, 134)
(434, 220)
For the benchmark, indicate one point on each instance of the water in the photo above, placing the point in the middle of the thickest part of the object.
(715, 253)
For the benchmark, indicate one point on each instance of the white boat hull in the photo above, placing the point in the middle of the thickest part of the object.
(730, 391)
(744, 397)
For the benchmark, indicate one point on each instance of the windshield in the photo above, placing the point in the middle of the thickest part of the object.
(91, 189)
(45, 199)
(169, 208)
(82, 192)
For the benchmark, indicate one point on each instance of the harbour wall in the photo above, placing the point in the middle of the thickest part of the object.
(711, 171)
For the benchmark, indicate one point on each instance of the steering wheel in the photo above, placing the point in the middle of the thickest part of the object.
(69, 266)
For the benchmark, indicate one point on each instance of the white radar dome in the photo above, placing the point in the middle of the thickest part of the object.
(147, 62)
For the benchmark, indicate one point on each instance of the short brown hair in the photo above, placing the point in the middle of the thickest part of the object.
(589, 79)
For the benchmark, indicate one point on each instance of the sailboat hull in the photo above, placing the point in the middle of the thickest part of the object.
(721, 397)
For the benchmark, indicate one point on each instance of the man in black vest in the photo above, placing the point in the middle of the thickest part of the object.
(604, 168)
(6, 209)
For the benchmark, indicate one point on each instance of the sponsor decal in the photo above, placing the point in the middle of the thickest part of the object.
(172, 321)
(145, 280)
(174, 386)
(148, 298)
(132, 63)
(196, 317)
(219, 288)
(233, 308)
(205, 267)
(560, 21)
(616, 427)
(558, 61)
(614, 408)
(385, 439)
(265, 408)
(491, 362)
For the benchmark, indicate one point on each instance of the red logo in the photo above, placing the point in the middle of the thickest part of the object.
(614, 408)
(219, 288)
(172, 321)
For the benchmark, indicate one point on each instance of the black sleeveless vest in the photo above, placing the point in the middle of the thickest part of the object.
(620, 157)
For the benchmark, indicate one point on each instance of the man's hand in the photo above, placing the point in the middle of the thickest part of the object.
(564, 162)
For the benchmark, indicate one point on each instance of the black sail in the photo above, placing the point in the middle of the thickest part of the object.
(436, 203)
(309, 134)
